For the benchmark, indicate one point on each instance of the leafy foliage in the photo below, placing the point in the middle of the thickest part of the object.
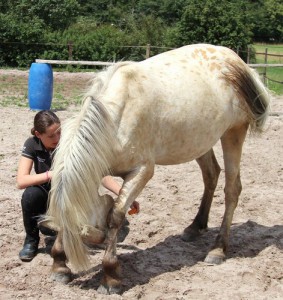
(222, 23)
(24, 24)
(25, 39)
(120, 29)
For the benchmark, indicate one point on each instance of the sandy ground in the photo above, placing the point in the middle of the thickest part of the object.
(157, 264)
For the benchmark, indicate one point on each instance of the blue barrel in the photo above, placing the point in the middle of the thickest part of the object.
(40, 86)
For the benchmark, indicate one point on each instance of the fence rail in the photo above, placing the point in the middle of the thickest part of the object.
(102, 63)
(265, 65)
(74, 62)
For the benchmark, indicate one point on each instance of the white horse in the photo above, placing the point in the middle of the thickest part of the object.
(169, 109)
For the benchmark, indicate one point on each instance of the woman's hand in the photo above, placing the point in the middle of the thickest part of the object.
(24, 176)
(135, 208)
(50, 175)
(112, 185)
(135, 205)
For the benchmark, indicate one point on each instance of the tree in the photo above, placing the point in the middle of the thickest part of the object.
(24, 25)
(270, 27)
(31, 28)
(55, 14)
(167, 10)
(210, 21)
(19, 41)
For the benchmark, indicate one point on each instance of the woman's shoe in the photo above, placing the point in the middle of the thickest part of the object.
(29, 250)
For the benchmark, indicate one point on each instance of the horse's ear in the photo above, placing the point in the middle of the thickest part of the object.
(109, 200)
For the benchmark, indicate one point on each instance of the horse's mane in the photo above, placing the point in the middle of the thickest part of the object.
(82, 159)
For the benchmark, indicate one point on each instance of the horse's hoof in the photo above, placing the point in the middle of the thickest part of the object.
(190, 235)
(109, 290)
(64, 278)
(215, 257)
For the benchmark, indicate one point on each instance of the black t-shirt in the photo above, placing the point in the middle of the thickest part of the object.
(42, 158)
(34, 149)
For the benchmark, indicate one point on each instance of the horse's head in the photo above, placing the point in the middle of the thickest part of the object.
(97, 232)
(94, 233)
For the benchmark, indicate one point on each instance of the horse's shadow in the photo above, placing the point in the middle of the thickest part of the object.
(172, 254)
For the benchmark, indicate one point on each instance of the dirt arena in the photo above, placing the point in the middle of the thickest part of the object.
(156, 263)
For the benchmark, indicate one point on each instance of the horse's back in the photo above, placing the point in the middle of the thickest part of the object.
(180, 77)
(175, 99)
(195, 52)
(177, 103)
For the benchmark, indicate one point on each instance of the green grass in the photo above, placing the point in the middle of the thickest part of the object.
(274, 75)
(272, 50)
(14, 91)
(65, 95)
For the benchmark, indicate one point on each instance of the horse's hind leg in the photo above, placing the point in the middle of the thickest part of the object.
(232, 143)
(60, 272)
(210, 173)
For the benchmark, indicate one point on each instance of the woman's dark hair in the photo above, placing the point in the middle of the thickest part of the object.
(44, 119)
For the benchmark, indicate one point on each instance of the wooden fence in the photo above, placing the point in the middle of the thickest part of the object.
(265, 65)
(148, 48)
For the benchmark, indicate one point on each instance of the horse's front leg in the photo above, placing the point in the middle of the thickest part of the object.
(111, 281)
(59, 271)
(133, 184)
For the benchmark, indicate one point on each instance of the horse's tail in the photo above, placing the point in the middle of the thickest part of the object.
(251, 91)
(82, 159)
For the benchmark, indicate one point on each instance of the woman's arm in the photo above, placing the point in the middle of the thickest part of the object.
(25, 179)
(112, 185)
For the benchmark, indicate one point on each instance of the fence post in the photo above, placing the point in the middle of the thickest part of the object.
(70, 50)
(238, 50)
(265, 69)
(248, 56)
(147, 55)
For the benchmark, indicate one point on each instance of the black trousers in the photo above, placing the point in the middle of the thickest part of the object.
(34, 203)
